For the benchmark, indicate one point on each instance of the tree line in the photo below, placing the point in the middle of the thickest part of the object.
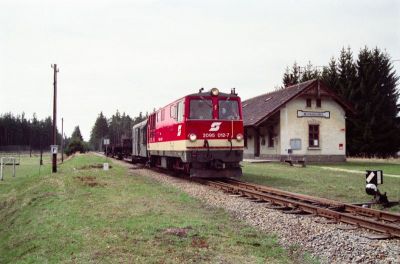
(369, 83)
(115, 128)
(17, 132)
(32, 133)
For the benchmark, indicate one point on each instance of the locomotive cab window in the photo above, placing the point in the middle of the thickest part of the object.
(179, 111)
(172, 111)
(200, 109)
(162, 114)
(228, 110)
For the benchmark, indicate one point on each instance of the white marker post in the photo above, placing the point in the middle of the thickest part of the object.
(106, 143)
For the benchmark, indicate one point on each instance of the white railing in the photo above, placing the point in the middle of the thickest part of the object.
(4, 161)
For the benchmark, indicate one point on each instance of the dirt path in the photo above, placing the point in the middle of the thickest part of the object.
(352, 171)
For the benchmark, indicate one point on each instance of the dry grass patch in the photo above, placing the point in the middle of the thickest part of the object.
(90, 181)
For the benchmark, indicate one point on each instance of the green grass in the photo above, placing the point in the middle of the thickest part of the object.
(86, 215)
(313, 180)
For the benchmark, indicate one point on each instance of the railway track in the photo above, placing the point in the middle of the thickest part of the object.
(380, 221)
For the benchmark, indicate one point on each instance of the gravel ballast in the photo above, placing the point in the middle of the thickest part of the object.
(325, 241)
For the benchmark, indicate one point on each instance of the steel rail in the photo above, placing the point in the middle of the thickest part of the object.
(368, 212)
(376, 220)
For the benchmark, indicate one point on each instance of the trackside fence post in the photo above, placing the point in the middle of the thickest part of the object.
(14, 167)
(1, 168)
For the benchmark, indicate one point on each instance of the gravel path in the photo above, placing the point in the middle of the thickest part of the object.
(325, 241)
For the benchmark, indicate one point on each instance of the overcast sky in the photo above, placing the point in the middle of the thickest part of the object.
(137, 55)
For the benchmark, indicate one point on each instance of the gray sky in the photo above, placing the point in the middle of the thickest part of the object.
(137, 55)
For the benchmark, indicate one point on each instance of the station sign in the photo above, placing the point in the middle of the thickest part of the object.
(325, 114)
(106, 141)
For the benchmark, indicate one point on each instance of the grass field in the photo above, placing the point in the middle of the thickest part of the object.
(83, 214)
(329, 183)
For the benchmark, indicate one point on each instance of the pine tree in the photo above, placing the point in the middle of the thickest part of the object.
(295, 75)
(347, 82)
(347, 88)
(292, 76)
(75, 143)
(99, 132)
(330, 75)
(309, 73)
(287, 80)
(377, 122)
(77, 134)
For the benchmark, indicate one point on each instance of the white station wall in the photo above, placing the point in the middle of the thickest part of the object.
(332, 131)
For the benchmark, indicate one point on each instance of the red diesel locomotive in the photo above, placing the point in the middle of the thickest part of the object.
(201, 134)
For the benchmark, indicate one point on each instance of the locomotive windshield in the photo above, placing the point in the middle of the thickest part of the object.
(200, 109)
(228, 110)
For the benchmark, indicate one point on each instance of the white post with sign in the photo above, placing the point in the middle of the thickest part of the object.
(54, 149)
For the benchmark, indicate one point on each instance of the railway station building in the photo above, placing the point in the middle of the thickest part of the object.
(303, 122)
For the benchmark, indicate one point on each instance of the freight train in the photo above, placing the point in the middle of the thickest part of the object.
(120, 150)
(200, 134)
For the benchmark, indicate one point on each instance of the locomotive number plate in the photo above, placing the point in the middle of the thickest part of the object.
(223, 135)
(214, 135)
(208, 135)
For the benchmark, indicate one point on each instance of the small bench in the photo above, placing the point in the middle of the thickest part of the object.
(302, 162)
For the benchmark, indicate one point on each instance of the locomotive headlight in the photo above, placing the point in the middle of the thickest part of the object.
(214, 91)
(192, 137)
(239, 137)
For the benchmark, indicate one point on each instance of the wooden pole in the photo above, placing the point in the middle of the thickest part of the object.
(62, 140)
(54, 163)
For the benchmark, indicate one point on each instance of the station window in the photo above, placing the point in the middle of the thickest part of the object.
(271, 137)
(308, 102)
(319, 102)
(313, 136)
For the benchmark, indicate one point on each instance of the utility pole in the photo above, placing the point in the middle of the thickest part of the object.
(41, 150)
(54, 148)
(62, 140)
